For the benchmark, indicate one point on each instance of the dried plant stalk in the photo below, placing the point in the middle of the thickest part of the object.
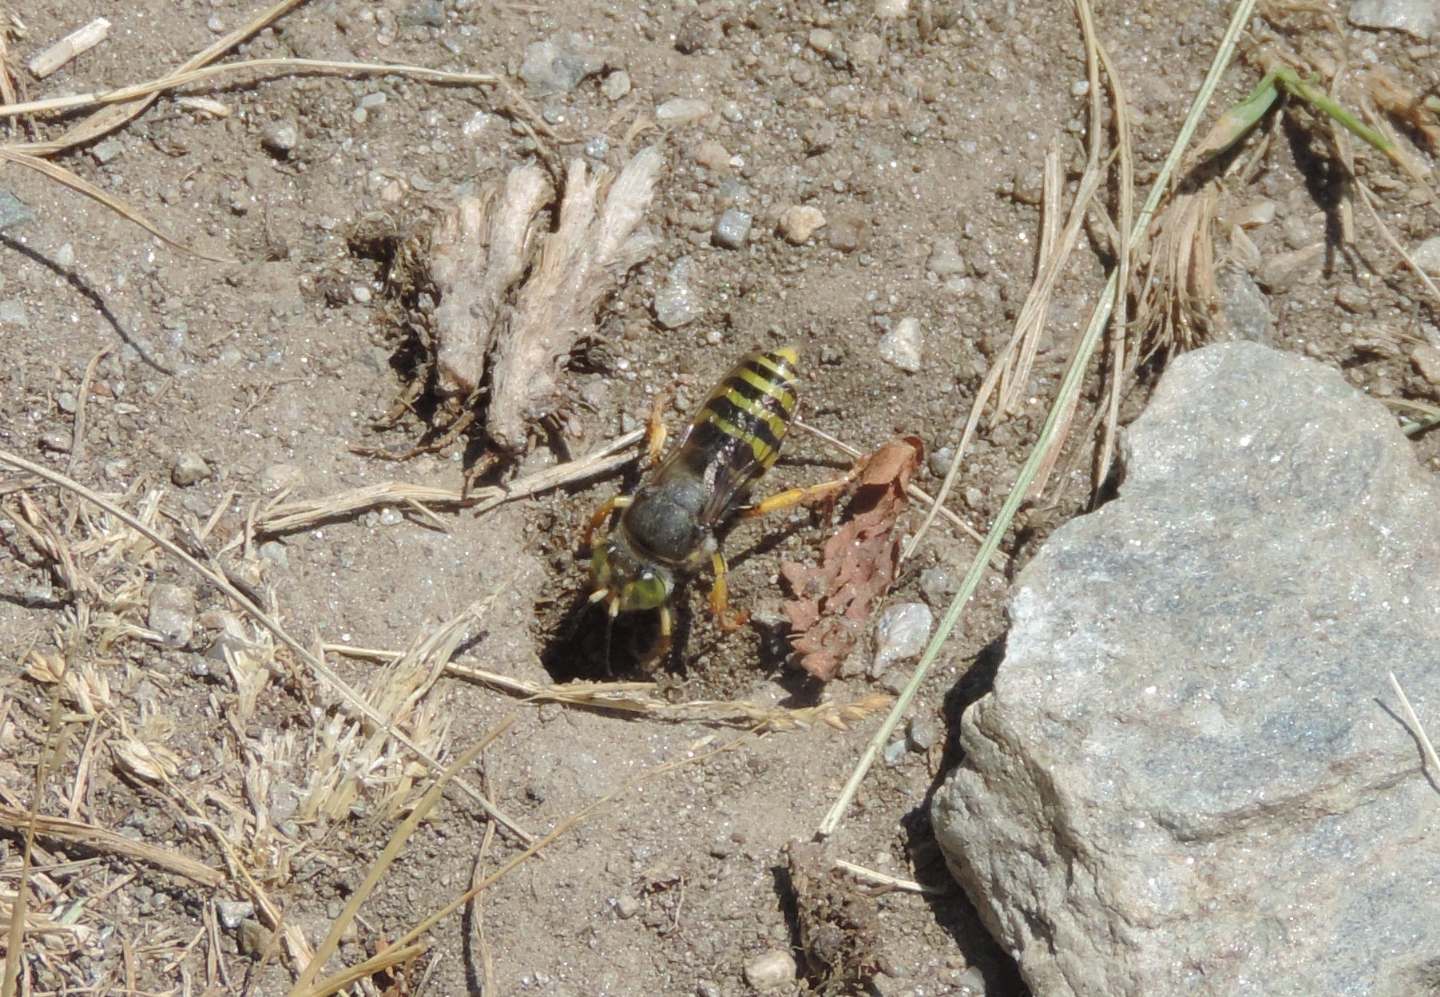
(579, 264)
(478, 251)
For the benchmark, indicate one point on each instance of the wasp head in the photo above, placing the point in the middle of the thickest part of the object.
(625, 580)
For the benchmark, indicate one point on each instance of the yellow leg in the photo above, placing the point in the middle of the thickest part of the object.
(655, 428)
(602, 514)
(662, 646)
(791, 497)
(720, 598)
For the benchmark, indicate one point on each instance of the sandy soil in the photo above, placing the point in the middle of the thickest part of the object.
(270, 369)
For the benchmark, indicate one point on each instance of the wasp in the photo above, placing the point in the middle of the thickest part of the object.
(668, 528)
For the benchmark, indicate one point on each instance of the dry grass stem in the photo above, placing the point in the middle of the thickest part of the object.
(637, 698)
(258, 67)
(297, 515)
(887, 881)
(81, 40)
(249, 606)
(1119, 320)
(592, 247)
(477, 915)
(99, 839)
(1432, 760)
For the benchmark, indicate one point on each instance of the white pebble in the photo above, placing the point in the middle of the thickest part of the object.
(902, 633)
(770, 970)
(1427, 255)
(681, 111)
(904, 346)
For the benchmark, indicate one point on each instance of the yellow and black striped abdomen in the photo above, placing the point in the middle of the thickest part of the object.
(754, 404)
(736, 435)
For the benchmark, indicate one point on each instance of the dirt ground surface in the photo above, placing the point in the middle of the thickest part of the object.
(125, 363)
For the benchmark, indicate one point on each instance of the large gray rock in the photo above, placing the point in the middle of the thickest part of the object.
(1190, 776)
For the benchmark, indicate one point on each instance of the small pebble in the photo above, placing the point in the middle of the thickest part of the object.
(945, 259)
(891, 10)
(903, 346)
(822, 40)
(681, 111)
(1427, 256)
(732, 229)
(627, 907)
(616, 85)
(901, 633)
(425, 14)
(274, 552)
(280, 138)
(847, 233)
(1283, 271)
(867, 49)
(675, 302)
(1426, 361)
(597, 148)
(894, 752)
(819, 138)
(172, 613)
(361, 294)
(800, 222)
(255, 940)
(940, 461)
(770, 970)
(66, 402)
(1244, 305)
(12, 312)
(106, 151)
(373, 101)
(1352, 299)
(939, 585)
(189, 468)
(276, 477)
(1416, 17)
(711, 155)
(65, 256)
(232, 912)
(558, 64)
(13, 211)
(923, 733)
(55, 440)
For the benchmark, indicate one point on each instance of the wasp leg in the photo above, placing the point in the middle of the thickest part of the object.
(667, 626)
(655, 429)
(825, 491)
(602, 514)
(720, 598)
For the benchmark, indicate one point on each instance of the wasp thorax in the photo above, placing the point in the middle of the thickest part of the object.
(628, 581)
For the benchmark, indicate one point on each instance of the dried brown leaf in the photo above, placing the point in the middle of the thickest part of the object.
(832, 600)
